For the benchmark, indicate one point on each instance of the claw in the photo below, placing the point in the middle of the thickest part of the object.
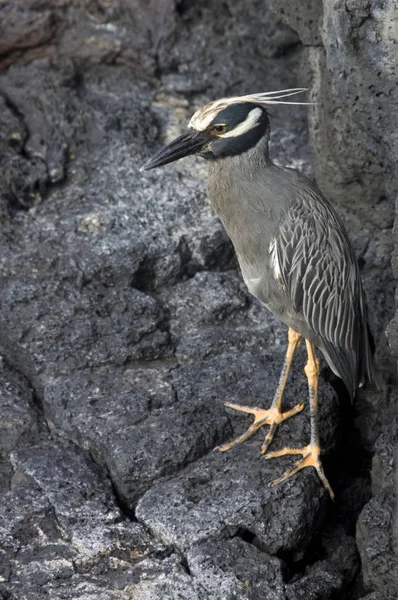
(272, 417)
(311, 458)
(274, 425)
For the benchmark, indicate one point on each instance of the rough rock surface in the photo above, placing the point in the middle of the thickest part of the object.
(377, 524)
(125, 325)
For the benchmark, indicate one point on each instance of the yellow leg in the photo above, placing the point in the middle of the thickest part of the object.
(274, 415)
(311, 453)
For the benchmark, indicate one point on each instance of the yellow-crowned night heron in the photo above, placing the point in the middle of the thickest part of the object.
(293, 250)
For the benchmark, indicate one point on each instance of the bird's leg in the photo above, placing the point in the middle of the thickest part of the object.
(311, 453)
(274, 415)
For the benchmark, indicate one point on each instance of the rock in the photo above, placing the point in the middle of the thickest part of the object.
(362, 105)
(383, 463)
(53, 126)
(22, 28)
(155, 580)
(367, 90)
(223, 493)
(369, 99)
(321, 583)
(231, 569)
(304, 17)
(19, 425)
(206, 299)
(122, 306)
(135, 422)
(392, 329)
(376, 528)
(375, 540)
(197, 54)
(389, 593)
(331, 574)
(71, 318)
(62, 530)
(213, 313)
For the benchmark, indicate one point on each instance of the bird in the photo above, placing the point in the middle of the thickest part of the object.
(294, 254)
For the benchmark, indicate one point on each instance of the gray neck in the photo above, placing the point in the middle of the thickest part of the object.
(228, 175)
(242, 191)
(244, 163)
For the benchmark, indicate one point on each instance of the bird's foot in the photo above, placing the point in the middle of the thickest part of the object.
(311, 458)
(272, 417)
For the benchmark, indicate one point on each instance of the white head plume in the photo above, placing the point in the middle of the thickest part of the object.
(205, 115)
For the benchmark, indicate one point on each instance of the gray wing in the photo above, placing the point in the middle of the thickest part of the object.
(320, 274)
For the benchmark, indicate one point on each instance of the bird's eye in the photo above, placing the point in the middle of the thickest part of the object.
(217, 129)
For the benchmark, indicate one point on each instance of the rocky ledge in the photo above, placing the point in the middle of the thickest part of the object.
(125, 324)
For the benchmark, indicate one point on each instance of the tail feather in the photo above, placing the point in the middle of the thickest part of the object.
(343, 364)
(367, 367)
(354, 368)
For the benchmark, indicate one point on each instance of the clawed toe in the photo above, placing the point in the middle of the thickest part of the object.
(273, 417)
(311, 458)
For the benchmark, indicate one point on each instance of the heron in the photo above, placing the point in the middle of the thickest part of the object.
(294, 253)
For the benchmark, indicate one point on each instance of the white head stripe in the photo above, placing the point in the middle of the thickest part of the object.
(246, 125)
(205, 115)
(200, 122)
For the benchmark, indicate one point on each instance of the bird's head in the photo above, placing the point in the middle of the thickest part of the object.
(225, 127)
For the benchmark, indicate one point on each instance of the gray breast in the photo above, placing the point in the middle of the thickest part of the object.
(247, 199)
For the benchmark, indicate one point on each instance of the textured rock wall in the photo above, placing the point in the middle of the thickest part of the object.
(351, 61)
(352, 58)
(125, 326)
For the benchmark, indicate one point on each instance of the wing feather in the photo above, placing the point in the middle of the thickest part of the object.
(319, 270)
(320, 280)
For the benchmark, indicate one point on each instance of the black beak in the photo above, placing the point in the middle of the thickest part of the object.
(188, 143)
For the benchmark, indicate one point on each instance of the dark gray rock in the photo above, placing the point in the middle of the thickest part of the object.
(62, 530)
(135, 422)
(377, 524)
(224, 493)
(88, 33)
(238, 569)
(230, 569)
(194, 60)
(212, 313)
(89, 302)
(19, 424)
(332, 574)
(376, 541)
(22, 28)
(389, 593)
(305, 17)
(206, 299)
(121, 305)
(130, 322)
(146, 422)
(155, 580)
(321, 583)
(384, 460)
(356, 79)
(370, 92)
